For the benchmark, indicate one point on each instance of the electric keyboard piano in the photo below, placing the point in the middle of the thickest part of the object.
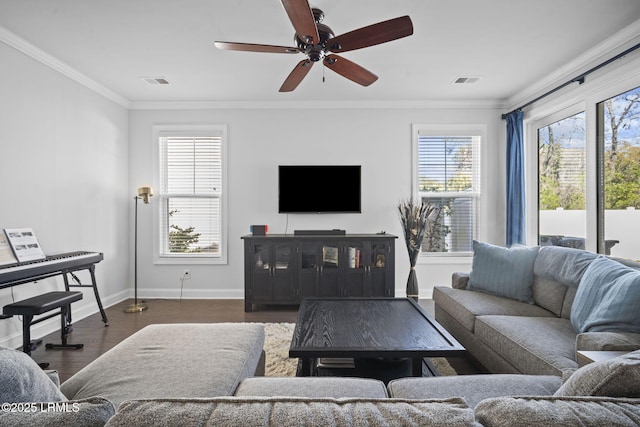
(64, 264)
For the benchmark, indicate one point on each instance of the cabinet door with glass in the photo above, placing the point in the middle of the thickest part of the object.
(272, 272)
(380, 268)
(329, 279)
(369, 271)
(356, 268)
(309, 262)
(320, 268)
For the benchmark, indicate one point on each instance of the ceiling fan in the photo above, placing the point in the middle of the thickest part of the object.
(318, 42)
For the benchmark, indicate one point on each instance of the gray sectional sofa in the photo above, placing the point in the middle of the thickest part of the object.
(209, 375)
(154, 379)
(535, 333)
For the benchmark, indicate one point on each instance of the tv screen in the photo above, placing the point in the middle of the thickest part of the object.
(319, 189)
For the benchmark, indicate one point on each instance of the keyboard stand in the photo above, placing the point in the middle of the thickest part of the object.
(78, 284)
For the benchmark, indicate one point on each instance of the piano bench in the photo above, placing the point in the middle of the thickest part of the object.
(42, 304)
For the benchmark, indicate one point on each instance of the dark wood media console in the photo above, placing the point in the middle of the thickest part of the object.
(285, 268)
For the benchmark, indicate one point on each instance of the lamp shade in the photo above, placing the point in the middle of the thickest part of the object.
(145, 193)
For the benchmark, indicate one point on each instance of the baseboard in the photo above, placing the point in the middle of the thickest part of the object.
(189, 293)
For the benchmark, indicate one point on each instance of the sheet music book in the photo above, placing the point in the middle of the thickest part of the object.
(24, 243)
(6, 253)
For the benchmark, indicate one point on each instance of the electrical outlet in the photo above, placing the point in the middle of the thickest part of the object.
(187, 273)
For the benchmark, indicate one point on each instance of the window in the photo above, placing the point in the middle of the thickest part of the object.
(562, 182)
(618, 145)
(447, 174)
(191, 200)
(589, 175)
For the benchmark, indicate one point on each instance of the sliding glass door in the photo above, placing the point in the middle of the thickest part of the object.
(618, 142)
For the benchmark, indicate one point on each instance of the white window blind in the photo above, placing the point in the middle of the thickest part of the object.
(191, 195)
(448, 176)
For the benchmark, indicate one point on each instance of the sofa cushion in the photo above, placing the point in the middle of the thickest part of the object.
(53, 376)
(92, 412)
(534, 345)
(474, 388)
(549, 294)
(22, 380)
(172, 360)
(294, 412)
(616, 377)
(607, 341)
(567, 304)
(466, 305)
(506, 272)
(563, 265)
(558, 411)
(312, 387)
(607, 298)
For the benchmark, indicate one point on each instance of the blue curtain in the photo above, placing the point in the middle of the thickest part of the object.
(515, 180)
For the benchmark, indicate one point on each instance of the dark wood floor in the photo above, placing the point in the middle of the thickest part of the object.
(97, 338)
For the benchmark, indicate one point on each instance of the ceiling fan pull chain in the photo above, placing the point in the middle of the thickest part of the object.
(323, 67)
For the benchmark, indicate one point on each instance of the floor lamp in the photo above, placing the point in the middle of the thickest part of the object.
(144, 193)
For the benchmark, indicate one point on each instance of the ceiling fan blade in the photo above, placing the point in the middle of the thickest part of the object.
(372, 35)
(350, 70)
(251, 47)
(296, 76)
(301, 17)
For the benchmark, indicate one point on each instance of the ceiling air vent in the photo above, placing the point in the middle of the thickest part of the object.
(155, 80)
(466, 79)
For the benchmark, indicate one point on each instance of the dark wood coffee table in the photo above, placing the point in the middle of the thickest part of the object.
(368, 328)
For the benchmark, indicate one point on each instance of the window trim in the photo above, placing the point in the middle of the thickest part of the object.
(196, 130)
(452, 129)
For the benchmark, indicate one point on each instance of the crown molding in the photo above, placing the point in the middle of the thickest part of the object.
(18, 43)
(333, 105)
(609, 47)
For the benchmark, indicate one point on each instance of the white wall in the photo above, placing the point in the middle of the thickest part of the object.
(63, 172)
(259, 140)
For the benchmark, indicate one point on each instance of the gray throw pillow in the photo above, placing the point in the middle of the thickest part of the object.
(506, 272)
(616, 377)
(607, 298)
(22, 380)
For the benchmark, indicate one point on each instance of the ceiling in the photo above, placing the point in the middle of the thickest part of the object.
(512, 45)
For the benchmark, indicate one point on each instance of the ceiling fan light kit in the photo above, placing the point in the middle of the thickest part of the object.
(318, 43)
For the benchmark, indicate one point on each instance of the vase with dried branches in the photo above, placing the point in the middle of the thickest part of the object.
(414, 216)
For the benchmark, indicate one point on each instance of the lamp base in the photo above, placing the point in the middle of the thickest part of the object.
(136, 308)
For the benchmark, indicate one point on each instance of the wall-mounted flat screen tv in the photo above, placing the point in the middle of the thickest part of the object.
(319, 189)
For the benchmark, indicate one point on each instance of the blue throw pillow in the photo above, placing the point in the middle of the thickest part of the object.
(607, 298)
(506, 272)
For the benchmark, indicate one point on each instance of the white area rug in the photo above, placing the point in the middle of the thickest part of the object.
(278, 364)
